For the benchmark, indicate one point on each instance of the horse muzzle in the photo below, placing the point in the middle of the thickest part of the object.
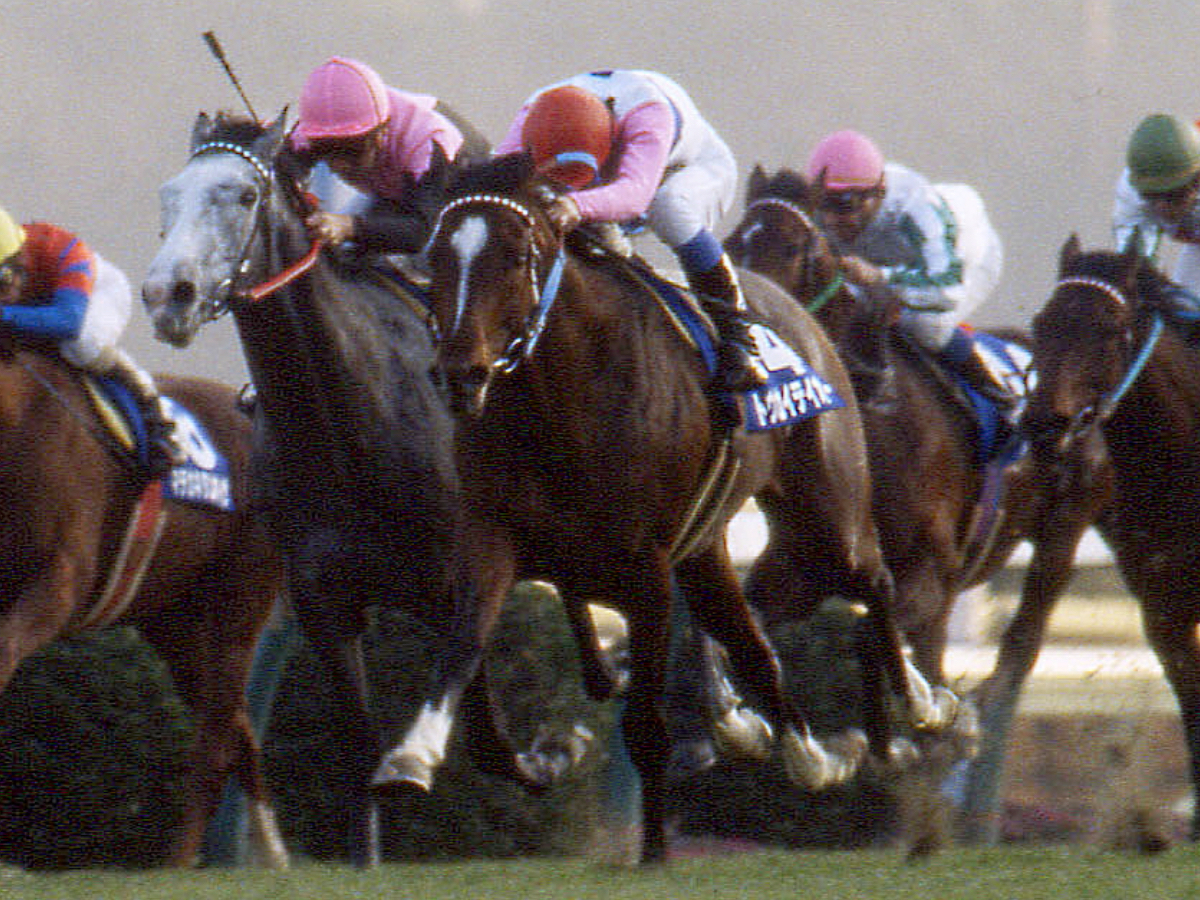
(468, 390)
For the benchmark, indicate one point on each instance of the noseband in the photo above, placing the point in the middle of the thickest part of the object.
(543, 293)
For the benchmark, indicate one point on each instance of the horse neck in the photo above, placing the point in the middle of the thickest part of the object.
(297, 354)
(598, 328)
(1164, 400)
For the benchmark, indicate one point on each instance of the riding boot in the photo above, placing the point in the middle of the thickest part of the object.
(165, 450)
(964, 357)
(738, 367)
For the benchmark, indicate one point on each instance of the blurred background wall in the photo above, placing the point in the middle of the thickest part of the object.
(1029, 100)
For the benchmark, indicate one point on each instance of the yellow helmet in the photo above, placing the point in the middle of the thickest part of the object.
(12, 235)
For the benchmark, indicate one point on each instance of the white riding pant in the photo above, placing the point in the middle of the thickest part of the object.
(107, 315)
(695, 196)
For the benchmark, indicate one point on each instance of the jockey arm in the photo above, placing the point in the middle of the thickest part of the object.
(60, 278)
(643, 144)
(935, 283)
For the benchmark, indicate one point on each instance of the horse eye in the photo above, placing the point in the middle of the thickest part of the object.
(248, 197)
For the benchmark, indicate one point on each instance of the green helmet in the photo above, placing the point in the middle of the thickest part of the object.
(1163, 154)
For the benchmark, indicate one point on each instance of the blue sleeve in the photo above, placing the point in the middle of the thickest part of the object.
(61, 319)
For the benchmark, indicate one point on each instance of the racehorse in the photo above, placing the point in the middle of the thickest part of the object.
(946, 522)
(90, 543)
(353, 451)
(592, 457)
(1109, 365)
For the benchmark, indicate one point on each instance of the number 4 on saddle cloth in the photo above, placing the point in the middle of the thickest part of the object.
(793, 391)
(202, 480)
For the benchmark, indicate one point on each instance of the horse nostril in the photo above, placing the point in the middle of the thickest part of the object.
(183, 293)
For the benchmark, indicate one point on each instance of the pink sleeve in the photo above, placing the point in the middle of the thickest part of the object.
(511, 143)
(644, 139)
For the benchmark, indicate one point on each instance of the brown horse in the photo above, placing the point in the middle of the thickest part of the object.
(586, 444)
(940, 529)
(77, 560)
(1108, 365)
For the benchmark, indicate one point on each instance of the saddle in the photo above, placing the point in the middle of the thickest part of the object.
(996, 432)
(794, 390)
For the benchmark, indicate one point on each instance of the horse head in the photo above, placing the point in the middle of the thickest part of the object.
(778, 237)
(213, 215)
(1086, 341)
(495, 260)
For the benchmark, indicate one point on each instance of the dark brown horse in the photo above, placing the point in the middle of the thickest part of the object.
(940, 527)
(89, 544)
(586, 443)
(1109, 365)
(356, 478)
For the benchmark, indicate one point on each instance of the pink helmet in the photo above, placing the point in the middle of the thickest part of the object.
(342, 98)
(849, 160)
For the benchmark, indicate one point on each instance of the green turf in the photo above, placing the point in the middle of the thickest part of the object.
(1043, 873)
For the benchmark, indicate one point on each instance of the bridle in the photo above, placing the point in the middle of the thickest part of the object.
(228, 291)
(808, 275)
(1096, 414)
(543, 290)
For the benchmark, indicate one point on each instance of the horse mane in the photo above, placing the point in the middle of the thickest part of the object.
(506, 174)
(236, 128)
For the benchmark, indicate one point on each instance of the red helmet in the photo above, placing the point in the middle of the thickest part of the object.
(569, 132)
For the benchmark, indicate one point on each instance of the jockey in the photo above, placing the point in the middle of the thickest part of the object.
(52, 286)
(630, 145)
(1157, 195)
(381, 142)
(933, 244)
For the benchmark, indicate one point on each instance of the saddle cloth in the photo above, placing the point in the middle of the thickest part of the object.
(203, 480)
(794, 389)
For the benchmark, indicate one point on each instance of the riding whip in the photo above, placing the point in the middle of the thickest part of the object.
(219, 52)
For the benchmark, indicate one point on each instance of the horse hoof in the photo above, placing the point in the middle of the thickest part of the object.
(743, 733)
(902, 754)
(399, 771)
(815, 767)
(942, 712)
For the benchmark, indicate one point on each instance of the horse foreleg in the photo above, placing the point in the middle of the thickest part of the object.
(710, 583)
(1175, 642)
(481, 584)
(644, 720)
(997, 695)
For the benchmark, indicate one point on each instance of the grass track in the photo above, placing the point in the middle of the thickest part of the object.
(1044, 873)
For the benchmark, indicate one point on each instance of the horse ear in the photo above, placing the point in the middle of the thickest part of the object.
(816, 191)
(1067, 254)
(268, 144)
(202, 128)
(757, 183)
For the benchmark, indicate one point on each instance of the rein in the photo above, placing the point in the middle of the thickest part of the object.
(522, 346)
(301, 267)
(827, 293)
(1104, 408)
